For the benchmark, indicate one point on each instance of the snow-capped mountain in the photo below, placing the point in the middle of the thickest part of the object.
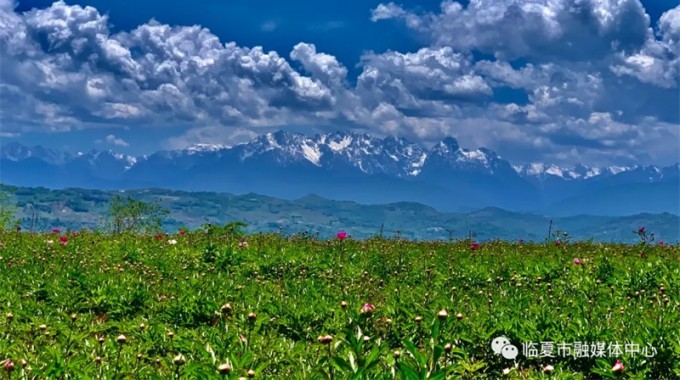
(345, 165)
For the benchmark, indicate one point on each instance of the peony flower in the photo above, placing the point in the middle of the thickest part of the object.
(618, 366)
(9, 366)
(474, 246)
(342, 235)
(367, 308)
(55, 230)
(63, 240)
(577, 262)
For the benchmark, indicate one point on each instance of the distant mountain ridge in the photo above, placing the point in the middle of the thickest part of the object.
(354, 166)
(42, 209)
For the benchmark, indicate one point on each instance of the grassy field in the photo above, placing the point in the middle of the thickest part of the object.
(204, 305)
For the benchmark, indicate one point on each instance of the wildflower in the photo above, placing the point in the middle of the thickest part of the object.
(171, 334)
(74, 316)
(474, 246)
(251, 373)
(10, 316)
(459, 316)
(343, 304)
(577, 262)
(179, 360)
(252, 316)
(506, 371)
(548, 369)
(42, 327)
(397, 354)
(142, 326)
(8, 366)
(55, 230)
(63, 240)
(224, 369)
(367, 309)
(98, 360)
(172, 241)
(324, 339)
(618, 366)
(159, 236)
(50, 241)
(182, 232)
(418, 319)
(660, 242)
(24, 363)
(443, 314)
(558, 243)
(243, 244)
(342, 235)
(448, 347)
(641, 230)
(121, 339)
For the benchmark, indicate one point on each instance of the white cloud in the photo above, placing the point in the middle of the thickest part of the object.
(117, 141)
(579, 64)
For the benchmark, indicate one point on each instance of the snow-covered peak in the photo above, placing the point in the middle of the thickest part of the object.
(201, 148)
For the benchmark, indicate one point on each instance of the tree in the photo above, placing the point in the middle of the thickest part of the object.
(7, 211)
(130, 215)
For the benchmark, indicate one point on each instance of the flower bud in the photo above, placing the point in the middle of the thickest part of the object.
(121, 339)
(252, 317)
(179, 360)
(448, 347)
(548, 369)
(324, 339)
(443, 314)
(251, 373)
(224, 369)
(226, 309)
(8, 366)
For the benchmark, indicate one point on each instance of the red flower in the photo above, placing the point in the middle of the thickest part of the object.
(474, 246)
(159, 236)
(182, 232)
(641, 230)
(558, 243)
(577, 262)
(55, 230)
(63, 240)
(342, 235)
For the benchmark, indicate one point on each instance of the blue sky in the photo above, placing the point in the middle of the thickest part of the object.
(559, 81)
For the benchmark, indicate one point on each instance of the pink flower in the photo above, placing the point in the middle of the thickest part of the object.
(660, 242)
(558, 243)
(641, 230)
(618, 367)
(577, 262)
(8, 366)
(474, 246)
(342, 235)
(55, 230)
(367, 308)
(182, 232)
(63, 240)
(159, 236)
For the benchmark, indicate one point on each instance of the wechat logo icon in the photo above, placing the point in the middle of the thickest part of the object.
(502, 346)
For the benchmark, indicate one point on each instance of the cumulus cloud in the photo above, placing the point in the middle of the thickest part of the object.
(117, 141)
(586, 77)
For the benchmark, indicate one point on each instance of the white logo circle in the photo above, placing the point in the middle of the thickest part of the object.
(498, 343)
(509, 351)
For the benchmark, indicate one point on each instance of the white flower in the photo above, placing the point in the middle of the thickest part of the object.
(50, 241)
(172, 242)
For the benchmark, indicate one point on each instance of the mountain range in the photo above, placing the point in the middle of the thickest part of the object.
(41, 209)
(357, 167)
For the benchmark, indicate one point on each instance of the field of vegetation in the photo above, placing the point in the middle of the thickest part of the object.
(215, 303)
